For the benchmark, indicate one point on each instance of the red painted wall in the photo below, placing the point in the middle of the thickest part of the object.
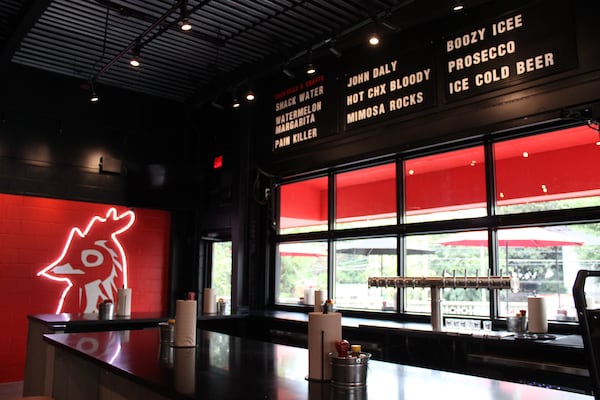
(33, 232)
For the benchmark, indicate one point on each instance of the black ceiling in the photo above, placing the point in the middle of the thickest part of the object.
(231, 42)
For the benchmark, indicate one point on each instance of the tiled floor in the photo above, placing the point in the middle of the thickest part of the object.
(11, 390)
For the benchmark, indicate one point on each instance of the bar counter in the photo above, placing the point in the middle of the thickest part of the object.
(559, 363)
(74, 322)
(134, 364)
(38, 377)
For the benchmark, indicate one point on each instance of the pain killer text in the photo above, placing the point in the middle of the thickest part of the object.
(298, 109)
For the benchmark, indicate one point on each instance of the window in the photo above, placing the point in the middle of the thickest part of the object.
(445, 186)
(546, 261)
(443, 255)
(303, 206)
(366, 197)
(221, 271)
(302, 268)
(440, 187)
(356, 261)
(550, 171)
(445, 229)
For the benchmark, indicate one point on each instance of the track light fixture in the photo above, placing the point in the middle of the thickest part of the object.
(457, 5)
(216, 105)
(288, 73)
(93, 95)
(388, 25)
(135, 58)
(332, 48)
(335, 51)
(185, 24)
(135, 61)
(374, 39)
(235, 103)
(250, 96)
(310, 68)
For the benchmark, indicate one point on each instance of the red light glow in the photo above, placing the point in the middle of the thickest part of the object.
(218, 162)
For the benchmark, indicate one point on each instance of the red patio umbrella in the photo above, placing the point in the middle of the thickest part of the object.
(517, 237)
(374, 246)
(301, 250)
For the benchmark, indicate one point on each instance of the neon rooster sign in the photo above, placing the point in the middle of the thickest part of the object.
(92, 263)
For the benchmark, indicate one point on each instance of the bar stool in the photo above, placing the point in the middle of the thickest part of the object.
(589, 321)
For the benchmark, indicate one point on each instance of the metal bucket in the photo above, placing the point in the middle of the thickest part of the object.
(106, 311)
(349, 371)
(348, 393)
(167, 332)
(516, 324)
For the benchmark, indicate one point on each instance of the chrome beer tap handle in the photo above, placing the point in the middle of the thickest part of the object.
(444, 278)
(454, 279)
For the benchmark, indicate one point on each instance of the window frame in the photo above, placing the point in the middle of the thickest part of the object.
(490, 222)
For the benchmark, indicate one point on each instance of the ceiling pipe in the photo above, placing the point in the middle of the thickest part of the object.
(271, 65)
(149, 29)
(178, 6)
(130, 12)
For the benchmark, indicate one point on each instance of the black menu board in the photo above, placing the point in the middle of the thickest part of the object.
(367, 86)
(519, 46)
(302, 113)
(388, 87)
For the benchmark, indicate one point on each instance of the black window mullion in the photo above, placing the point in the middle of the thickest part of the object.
(400, 207)
(490, 184)
(330, 229)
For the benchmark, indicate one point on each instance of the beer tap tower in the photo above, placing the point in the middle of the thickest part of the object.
(436, 283)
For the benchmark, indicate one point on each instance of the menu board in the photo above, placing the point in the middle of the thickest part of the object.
(396, 86)
(301, 114)
(370, 87)
(522, 45)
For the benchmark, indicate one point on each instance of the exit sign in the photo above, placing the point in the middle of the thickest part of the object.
(218, 162)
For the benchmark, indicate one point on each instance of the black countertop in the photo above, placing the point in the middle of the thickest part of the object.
(229, 367)
(141, 319)
(574, 342)
(77, 322)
